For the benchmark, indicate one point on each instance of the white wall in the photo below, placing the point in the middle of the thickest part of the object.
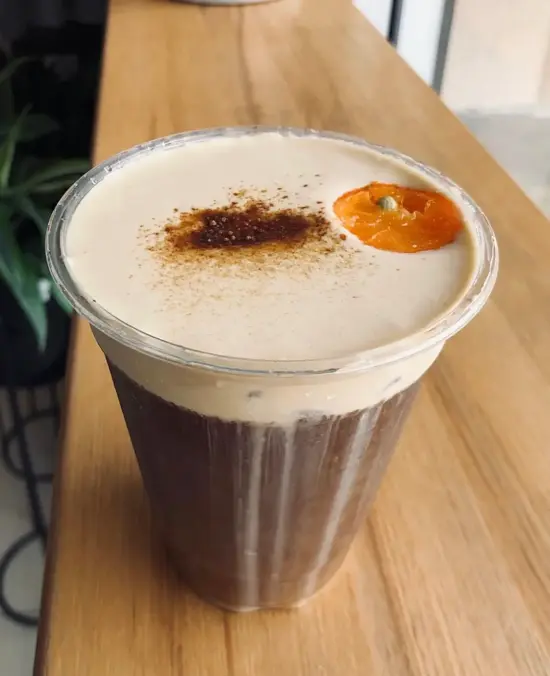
(499, 56)
(419, 32)
(377, 12)
(419, 28)
(499, 50)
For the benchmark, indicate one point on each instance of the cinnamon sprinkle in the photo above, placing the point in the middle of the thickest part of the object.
(251, 224)
(246, 235)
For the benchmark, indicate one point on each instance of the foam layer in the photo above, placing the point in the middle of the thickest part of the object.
(266, 399)
(313, 302)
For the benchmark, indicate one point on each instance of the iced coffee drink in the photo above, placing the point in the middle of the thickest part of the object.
(267, 301)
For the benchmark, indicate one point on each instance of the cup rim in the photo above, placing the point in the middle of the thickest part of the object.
(474, 296)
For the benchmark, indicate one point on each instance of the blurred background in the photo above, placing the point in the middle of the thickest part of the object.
(50, 56)
(488, 59)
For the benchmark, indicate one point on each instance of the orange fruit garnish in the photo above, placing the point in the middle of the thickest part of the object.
(394, 218)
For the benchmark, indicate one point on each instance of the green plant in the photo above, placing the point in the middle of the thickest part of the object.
(29, 189)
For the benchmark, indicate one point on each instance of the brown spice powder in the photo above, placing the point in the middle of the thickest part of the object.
(252, 224)
(245, 236)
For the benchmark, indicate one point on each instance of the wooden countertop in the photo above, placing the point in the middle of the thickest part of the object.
(451, 574)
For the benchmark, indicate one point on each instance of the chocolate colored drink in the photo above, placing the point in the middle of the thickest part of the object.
(264, 357)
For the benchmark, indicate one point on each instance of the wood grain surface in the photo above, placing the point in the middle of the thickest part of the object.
(451, 573)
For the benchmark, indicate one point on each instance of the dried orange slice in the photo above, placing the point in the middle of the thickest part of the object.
(394, 218)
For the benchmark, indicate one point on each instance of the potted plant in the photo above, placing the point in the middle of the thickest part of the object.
(34, 317)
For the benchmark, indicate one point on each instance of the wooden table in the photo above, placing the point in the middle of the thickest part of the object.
(451, 574)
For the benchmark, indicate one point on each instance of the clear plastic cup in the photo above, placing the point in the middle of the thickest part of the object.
(257, 484)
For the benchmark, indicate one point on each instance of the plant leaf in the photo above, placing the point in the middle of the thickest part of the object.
(25, 166)
(60, 299)
(39, 215)
(6, 104)
(10, 68)
(56, 170)
(58, 186)
(6, 214)
(7, 149)
(55, 290)
(39, 266)
(20, 278)
(33, 127)
(6, 93)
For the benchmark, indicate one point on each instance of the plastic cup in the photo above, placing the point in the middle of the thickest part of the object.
(257, 485)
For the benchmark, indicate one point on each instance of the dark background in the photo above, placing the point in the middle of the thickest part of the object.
(65, 39)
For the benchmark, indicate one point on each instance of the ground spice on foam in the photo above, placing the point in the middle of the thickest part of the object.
(253, 223)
